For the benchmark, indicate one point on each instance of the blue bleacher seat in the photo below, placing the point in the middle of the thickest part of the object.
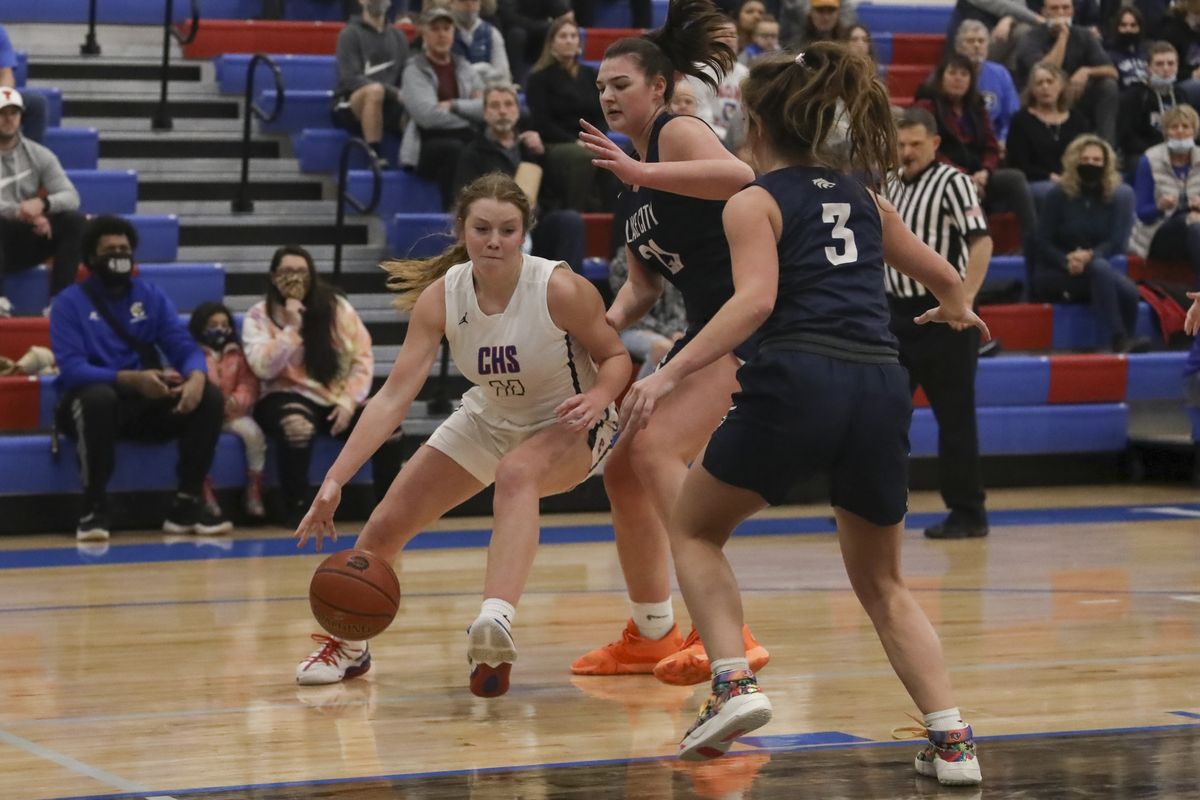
(120, 12)
(47, 398)
(304, 108)
(1012, 381)
(158, 236)
(54, 103)
(188, 285)
(21, 71)
(1077, 327)
(299, 73)
(1011, 430)
(76, 148)
(419, 235)
(1156, 376)
(106, 191)
(318, 149)
(403, 193)
(28, 290)
(904, 18)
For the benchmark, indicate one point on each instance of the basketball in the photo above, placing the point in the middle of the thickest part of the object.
(354, 595)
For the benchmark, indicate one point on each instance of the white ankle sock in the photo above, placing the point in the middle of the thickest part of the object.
(653, 620)
(947, 720)
(500, 610)
(726, 664)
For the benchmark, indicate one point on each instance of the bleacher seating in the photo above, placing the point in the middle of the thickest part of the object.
(188, 285)
(302, 108)
(76, 148)
(299, 71)
(105, 191)
(402, 193)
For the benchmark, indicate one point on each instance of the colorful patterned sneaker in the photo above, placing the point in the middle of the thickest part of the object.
(735, 707)
(690, 666)
(950, 755)
(632, 654)
(491, 652)
(333, 661)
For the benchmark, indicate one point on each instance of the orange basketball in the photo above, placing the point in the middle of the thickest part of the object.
(354, 595)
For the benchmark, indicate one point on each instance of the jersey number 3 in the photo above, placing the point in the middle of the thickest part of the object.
(838, 214)
(671, 262)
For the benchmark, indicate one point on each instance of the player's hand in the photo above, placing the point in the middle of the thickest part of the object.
(579, 413)
(318, 522)
(1191, 324)
(959, 320)
(339, 419)
(609, 156)
(641, 399)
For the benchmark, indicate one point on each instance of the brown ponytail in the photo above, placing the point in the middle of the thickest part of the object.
(797, 102)
(685, 43)
(409, 277)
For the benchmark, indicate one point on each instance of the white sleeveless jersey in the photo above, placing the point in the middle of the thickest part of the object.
(522, 364)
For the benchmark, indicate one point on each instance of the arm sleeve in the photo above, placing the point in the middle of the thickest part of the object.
(1049, 253)
(268, 349)
(500, 55)
(362, 370)
(59, 190)
(245, 393)
(1006, 8)
(1143, 190)
(961, 202)
(989, 155)
(1094, 54)
(421, 103)
(172, 338)
(350, 66)
(470, 107)
(68, 341)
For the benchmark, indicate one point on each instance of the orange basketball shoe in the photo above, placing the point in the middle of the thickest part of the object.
(690, 665)
(632, 654)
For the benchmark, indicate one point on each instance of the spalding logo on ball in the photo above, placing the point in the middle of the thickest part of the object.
(354, 595)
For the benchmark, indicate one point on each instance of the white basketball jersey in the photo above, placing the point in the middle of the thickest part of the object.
(521, 363)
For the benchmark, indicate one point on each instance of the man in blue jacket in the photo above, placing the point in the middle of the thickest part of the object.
(109, 334)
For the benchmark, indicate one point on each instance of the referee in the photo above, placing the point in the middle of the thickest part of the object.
(939, 204)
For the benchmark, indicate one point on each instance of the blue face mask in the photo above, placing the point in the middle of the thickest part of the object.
(217, 338)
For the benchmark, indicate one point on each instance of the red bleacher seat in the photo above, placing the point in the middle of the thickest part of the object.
(1154, 269)
(1006, 233)
(1021, 326)
(18, 334)
(903, 79)
(597, 40)
(599, 233)
(19, 397)
(220, 36)
(917, 48)
(1093, 378)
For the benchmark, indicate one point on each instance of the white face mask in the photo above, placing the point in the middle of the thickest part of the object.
(465, 19)
(1179, 146)
(1161, 84)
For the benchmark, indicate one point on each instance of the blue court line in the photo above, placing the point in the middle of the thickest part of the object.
(835, 741)
(204, 550)
(1187, 714)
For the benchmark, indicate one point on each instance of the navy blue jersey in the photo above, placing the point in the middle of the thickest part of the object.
(830, 262)
(681, 238)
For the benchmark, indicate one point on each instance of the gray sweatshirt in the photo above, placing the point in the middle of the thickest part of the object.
(25, 171)
(420, 97)
(365, 55)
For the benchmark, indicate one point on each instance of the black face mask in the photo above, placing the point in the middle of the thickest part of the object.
(217, 338)
(1127, 41)
(114, 271)
(1091, 176)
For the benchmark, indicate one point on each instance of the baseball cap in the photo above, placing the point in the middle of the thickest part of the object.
(11, 97)
(434, 13)
(825, 4)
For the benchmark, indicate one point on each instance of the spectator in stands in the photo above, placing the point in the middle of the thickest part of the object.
(746, 18)
(480, 42)
(274, 9)
(1007, 20)
(1181, 27)
(1092, 76)
(370, 61)
(212, 326)
(558, 235)
(821, 25)
(939, 204)
(443, 97)
(1087, 219)
(683, 100)
(34, 118)
(994, 81)
(764, 40)
(312, 352)
(1128, 49)
(967, 142)
(651, 338)
(526, 26)
(858, 39)
(39, 217)
(794, 19)
(560, 92)
(722, 107)
(1042, 129)
(1167, 190)
(1143, 104)
(106, 333)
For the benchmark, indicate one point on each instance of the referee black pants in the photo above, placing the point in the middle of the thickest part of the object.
(942, 361)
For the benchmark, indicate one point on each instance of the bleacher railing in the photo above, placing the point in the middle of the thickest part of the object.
(161, 121)
(344, 197)
(242, 204)
(90, 46)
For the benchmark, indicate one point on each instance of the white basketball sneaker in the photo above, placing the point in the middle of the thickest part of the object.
(491, 652)
(335, 660)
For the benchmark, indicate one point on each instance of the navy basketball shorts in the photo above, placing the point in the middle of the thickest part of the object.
(799, 415)
(743, 352)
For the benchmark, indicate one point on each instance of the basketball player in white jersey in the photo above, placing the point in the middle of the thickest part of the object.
(531, 335)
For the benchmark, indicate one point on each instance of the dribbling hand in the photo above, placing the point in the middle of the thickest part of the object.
(318, 522)
(959, 321)
(607, 155)
(641, 399)
(1191, 324)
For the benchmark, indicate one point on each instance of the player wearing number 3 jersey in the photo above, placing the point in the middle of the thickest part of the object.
(671, 217)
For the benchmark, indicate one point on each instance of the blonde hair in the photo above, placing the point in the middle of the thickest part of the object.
(1070, 166)
(1180, 113)
(410, 276)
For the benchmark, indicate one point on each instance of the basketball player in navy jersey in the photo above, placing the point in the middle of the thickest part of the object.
(670, 214)
(531, 335)
(825, 392)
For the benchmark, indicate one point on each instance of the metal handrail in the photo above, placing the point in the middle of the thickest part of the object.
(242, 204)
(90, 46)
(161, 121)
(343, 196)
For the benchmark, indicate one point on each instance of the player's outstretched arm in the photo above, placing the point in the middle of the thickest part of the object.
(637, 295)
(1192, 323)
(383, 413)
(577, 308)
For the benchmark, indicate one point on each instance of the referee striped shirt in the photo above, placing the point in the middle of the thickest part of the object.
(941, 207)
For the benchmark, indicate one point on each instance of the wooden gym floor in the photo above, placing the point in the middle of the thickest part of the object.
(163, 667)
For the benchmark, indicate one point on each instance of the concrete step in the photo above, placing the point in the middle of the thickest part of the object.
(174, 147)
(326, 209)
(141, 124)
(96, 88)
(203, 169)
(47, 41)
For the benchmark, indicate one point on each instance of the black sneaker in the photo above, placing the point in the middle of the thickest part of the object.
(958, 526)
(189, 515)
(92, 527)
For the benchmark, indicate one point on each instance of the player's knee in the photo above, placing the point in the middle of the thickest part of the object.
(619, 476)
(515, 476)
(648, 451)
